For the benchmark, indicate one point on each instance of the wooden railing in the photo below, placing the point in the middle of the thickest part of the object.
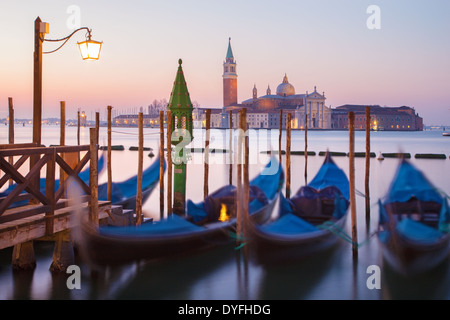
(27, 187)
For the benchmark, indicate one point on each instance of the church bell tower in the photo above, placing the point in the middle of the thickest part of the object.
(229, 78)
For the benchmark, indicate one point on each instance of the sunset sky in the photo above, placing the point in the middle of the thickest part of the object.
(323, 43)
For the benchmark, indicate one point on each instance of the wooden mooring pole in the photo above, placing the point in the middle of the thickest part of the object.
(351, 129)
(161, 162)
(239, 186)
(93, 177)
(78, 127)
(366, 182)
(246, 182)
(97, 125)
(11, 130)
(108, 160)
(169, 162)
(230, 148)
(78, 131)
(306, 149)
(246, 190)
(62, 136)
(288, 156)
(140, 169)
(280, 135)
(206, 155)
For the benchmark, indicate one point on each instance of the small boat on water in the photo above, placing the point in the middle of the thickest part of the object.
(413, 223)
(305, 223)
(446, 134)
(123, 193)
(203, 227)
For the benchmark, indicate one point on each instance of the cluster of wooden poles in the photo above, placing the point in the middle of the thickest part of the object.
(242, 161)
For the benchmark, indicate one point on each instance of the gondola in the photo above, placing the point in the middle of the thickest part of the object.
(123, 193)
(175, 235)
(413, 223)
(306, 223)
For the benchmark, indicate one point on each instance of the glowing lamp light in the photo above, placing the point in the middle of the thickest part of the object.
(223, 213)
(90, 49)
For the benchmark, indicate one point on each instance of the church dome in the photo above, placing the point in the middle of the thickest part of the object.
(285, 88)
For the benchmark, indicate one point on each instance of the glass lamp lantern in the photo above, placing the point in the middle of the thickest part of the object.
(90, 49)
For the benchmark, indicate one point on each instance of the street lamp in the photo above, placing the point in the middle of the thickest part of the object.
(87, 51)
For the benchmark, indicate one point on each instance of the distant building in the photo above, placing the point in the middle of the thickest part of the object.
(199, 118)
(131, 120)
(381, 118)
(306, 109)
(263, 111)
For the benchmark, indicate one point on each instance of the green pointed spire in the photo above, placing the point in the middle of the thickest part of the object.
(229, 52)
(180, 106)
(179, 97)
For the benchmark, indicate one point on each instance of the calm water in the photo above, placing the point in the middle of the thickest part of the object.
(221, 274)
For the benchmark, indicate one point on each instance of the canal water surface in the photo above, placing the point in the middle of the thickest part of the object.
(226, 273)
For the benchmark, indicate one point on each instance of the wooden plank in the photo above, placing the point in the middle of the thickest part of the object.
(17, 146)
(20, 197)
(5, 152)
(33, 209)
(31, 228)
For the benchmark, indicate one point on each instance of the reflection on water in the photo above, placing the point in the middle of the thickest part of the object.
(226, 273)
(433, 284)
(295, 280)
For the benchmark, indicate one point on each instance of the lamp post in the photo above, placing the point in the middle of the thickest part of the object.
(90, 50)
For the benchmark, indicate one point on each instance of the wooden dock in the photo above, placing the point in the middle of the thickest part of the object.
(34, 227)
(30, 212)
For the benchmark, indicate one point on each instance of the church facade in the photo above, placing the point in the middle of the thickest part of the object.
(264, 111)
